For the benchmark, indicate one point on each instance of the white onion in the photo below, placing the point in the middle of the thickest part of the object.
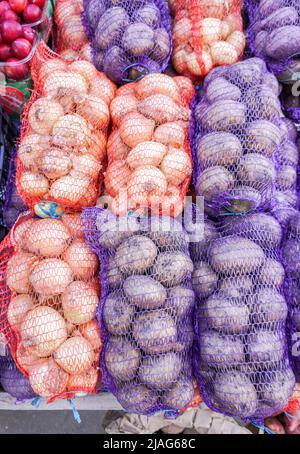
(75, 355)
(34, 185)
(85, 381)
(80, 301)
(47, 379)
(51, 277)
(42, 115)
(48, 238)
(74, 223)
(81, 260)
(17, 309)
(18, 272)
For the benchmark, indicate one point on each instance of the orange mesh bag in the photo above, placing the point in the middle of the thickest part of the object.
(64, 132)
(149, 158)
(72, 42)
(49, 299)
(206, 34)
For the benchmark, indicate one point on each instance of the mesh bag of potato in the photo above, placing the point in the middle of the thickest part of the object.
(13, 381)
(206, 34)
(274, 32)
(64, 132)
(72, 42)
(146, 309)
(149, 158)
(129, 38)
(49, 297)
(244, 152)
(241, 356)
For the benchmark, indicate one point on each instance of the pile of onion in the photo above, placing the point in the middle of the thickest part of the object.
(206, 34)
(149, 162)
(63, 147)
(52, 276)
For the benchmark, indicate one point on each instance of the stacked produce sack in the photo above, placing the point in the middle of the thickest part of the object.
(50, 294)
(129, 39)
(64, 127)
(244, 151)
(241, 358)
(146, 310)
(206, 33)
(149, 159)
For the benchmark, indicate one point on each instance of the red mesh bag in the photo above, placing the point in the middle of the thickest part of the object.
(149, 158)
(49, 299)
(72, 42)
(64, 132)
(206, 34)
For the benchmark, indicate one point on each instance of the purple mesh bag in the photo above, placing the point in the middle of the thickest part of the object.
(146, 309)
(13, 381)
(239, 140)
(241, 360)
(129, 38)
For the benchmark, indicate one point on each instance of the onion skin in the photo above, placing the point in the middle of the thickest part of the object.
(75, 355)
(47, 238)
(18, 272)
(48, 379)
(51, 277)
(43, 114)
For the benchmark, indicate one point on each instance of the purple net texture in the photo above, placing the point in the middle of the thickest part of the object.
(13, 381)
(146, 310)
(241, 360)
(129, 38)
(244, 157)
(274, 32)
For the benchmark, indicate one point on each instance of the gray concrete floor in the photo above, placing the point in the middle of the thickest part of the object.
(50, 422)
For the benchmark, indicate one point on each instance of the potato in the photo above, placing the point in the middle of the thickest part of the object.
(246, 73)
(165, 232)
(180, 301)
(243, 199)
(278, 390)
(117, 313)
(214, 182)
(283, 42)
(199, 249)
(154, 332)
(121, 358)
(113, 274)
(235, 394)
(145, 292)
(238, 289)
(135, 254)
(113, 230)
(283, 16)
(263, 137)
(115, 63)
(235, 255)
(110, 27)
(291, 253)
(138, 39)
(221, 89)
(272, 273)
(93, 11)
(218, 149)
(269, 306)
(172, 268)
(265, 346)
(286, 177)
(179, 396)
(220, 350)
(263, 103)
(162, 45)
(162, 371)
(294, 225)
(288, 153)
(204, 279)
(223, 115)
(267, 7)
(256, 171)
(148, 14)
(137, 398)
(225, 315)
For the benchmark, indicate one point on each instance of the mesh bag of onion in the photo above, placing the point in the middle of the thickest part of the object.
(274, 32)
(207, 34)
(72, 42)
(64, 132)
(129, 38)
(146, 309)
(244, 153)
(49, 297)
(241, 359)
(149, 158)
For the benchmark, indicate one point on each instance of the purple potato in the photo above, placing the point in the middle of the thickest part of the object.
(110, 27)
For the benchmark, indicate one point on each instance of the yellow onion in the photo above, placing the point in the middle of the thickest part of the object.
(18, 271)
(69, 55)
(81, 260)
(179, 59)
(86, 69)
(119, 205)
(51, 277)
(34, 184)
(86, 164)
(48, 238)
(75, 355)
(86, 53)
(62, 85)
(135, 128)
(162, 109)
(116, 177)
(65, 9)
(31, 148)
(85, 381)
(47, 379)
(70, 188)
(170, 134)
(54, 163)
(26, 358)
(127, 89)
(146, 153)
(43, 330)
(90, 196)
(19, 232)
(223, 53)
(182, 31)
(211, 30)
(102, 87)
(17, 309)
(50, 67)
(176, 166)
(171, 204)
(157, 84)
(216, 8)
(94, 110)
(42, 115)
(116, 148)
(122, 105)
(91, 332)
(74, 223)
(186, 87)
(73, 33)
(231, 23)
(70, 131)
(79, 302)
(98, 145)
(144, 183)
(237, 40)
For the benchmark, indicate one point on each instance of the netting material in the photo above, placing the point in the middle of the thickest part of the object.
(243, 154)
(13, 381)
(49, 297)
(146, 309)
(241, 357)
(63, 137)
(149, 158)
(207, 34)
(129, 38)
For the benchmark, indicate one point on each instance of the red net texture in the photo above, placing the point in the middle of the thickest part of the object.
(206, 34)
(49, 297)
(149, 157)
(64, 132)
